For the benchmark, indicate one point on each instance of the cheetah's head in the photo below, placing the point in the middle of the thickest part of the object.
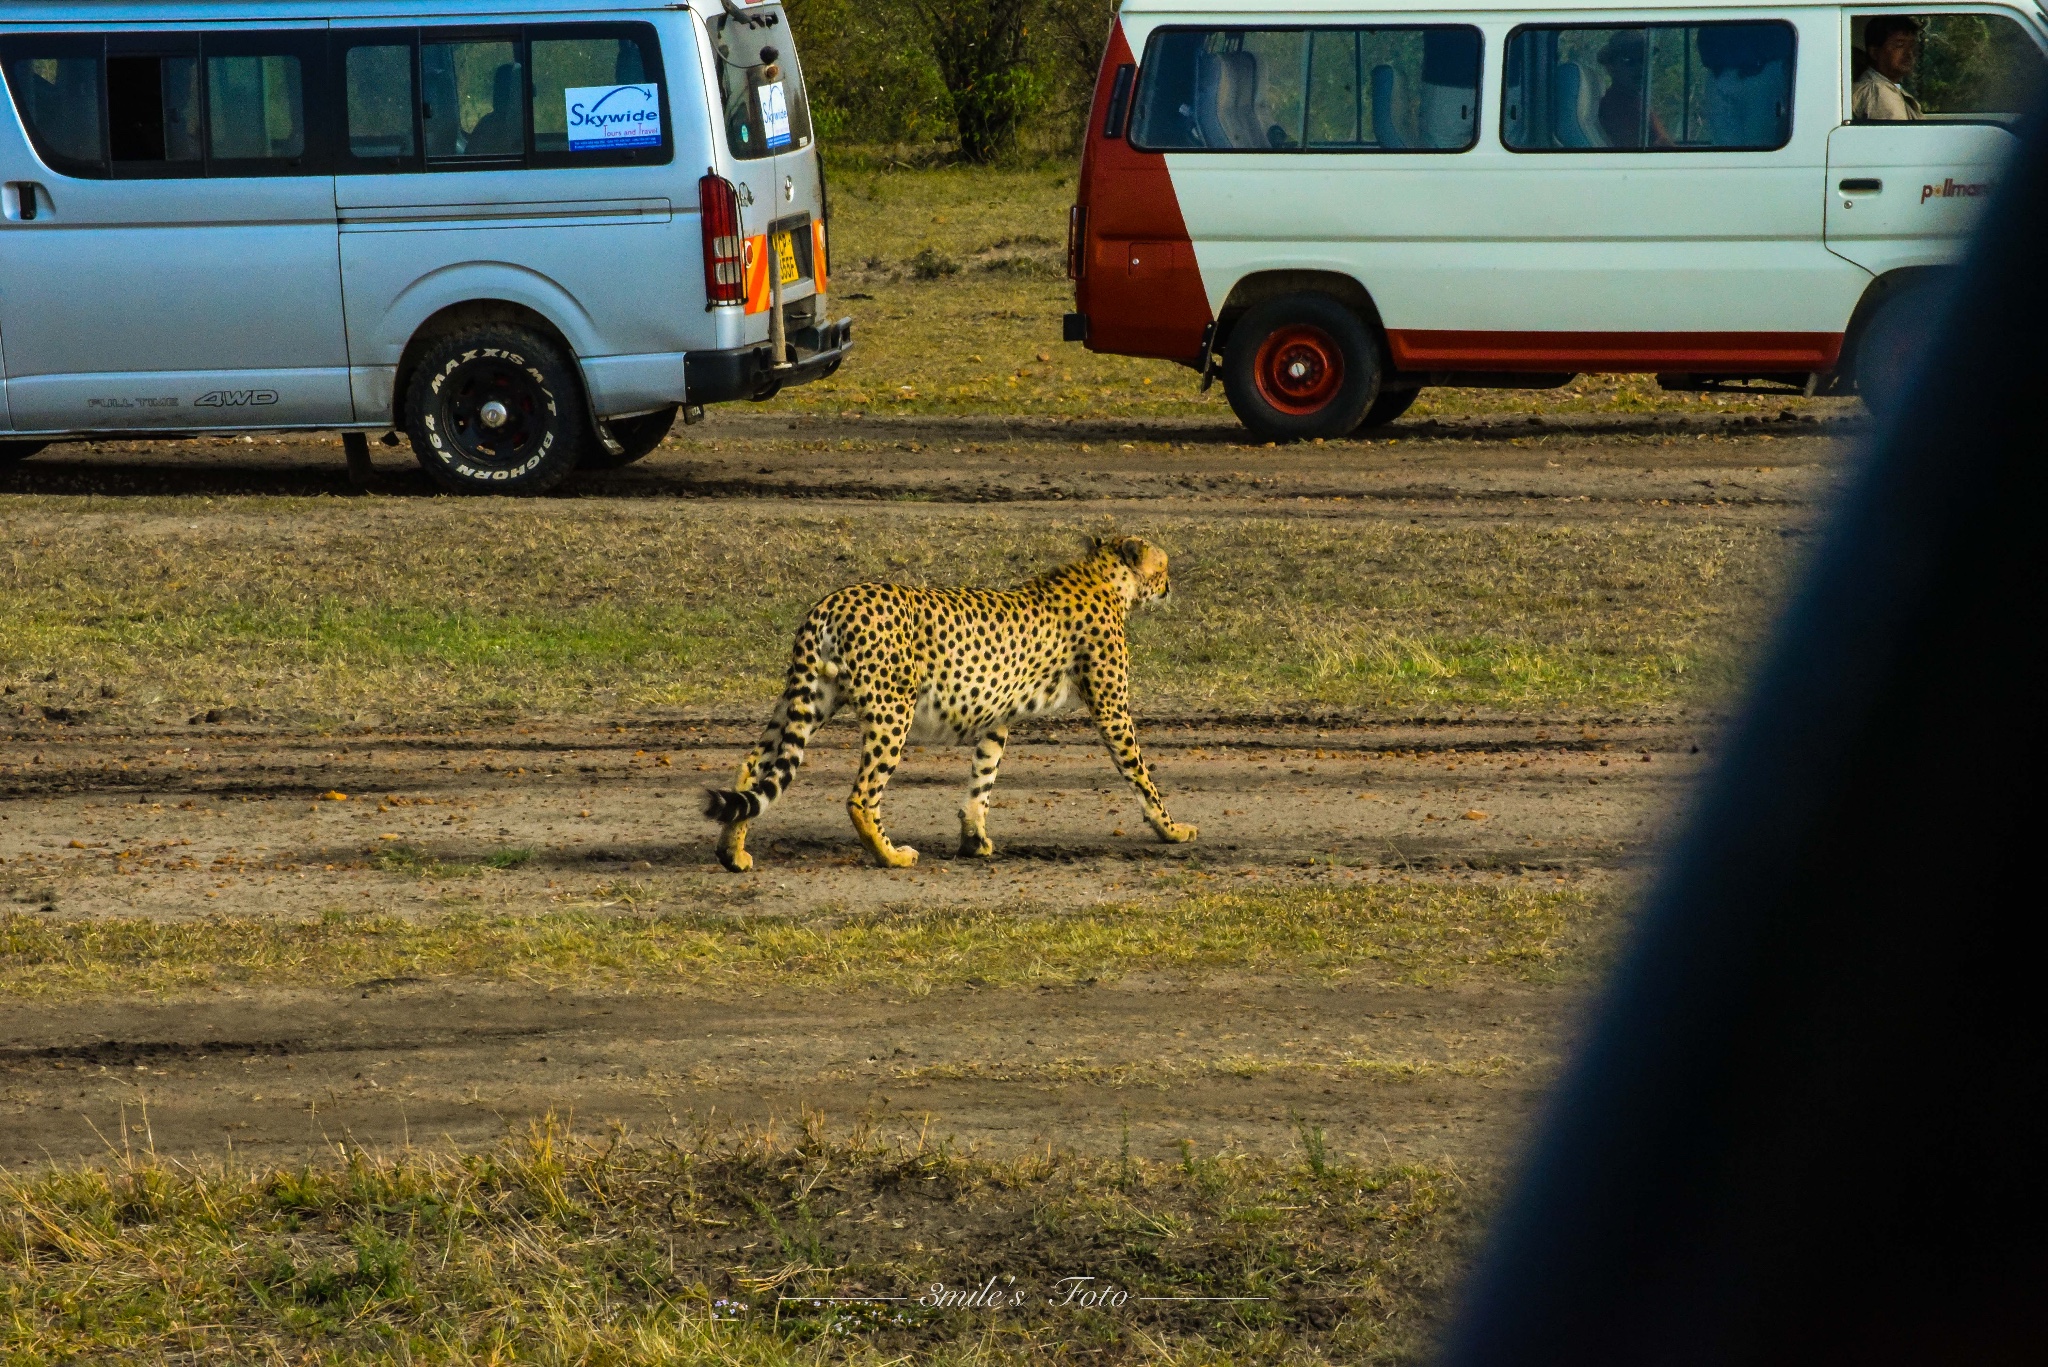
(1140, 568)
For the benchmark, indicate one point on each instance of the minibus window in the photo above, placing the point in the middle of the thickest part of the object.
(153, 112)
(380, 103)
(595, 94)
(56, 85)
(473, 101)
(1649, 88)
(256, 107)
(765, 109)
(1410, 89)
(1953, 68)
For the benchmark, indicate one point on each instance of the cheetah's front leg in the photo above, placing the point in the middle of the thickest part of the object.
(988, 757)
(1108, 700)
(884, 725)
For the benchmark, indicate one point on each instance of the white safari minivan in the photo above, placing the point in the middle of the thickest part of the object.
(1336, 204)
(526, 235)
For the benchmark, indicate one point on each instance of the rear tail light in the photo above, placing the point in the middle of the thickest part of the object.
(1077, 231)
(725, 249)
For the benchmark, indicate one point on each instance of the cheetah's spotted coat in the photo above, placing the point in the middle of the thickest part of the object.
(956, 665)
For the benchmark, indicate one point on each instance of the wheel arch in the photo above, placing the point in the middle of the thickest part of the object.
(473, 313)
(1260, 286)
(1876, 294)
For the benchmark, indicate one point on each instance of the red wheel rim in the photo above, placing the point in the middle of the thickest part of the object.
(1299, 368)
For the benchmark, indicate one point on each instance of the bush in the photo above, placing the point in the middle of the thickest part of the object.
(990, 77)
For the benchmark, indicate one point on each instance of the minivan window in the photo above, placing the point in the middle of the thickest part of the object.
(765, 109)
(169, 103)
(377, 79)
(1406, 89)
(56, 85)
(1958, 68)
(1649, 88)
(591, 94)
(256, 106)
(542, 95)
(473, 98)
(153, 112)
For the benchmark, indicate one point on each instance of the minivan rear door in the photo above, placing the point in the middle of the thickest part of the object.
(180, 269)
(772, 150)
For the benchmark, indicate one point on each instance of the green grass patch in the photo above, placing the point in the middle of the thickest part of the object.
(695, 1246)
(1413, 931)
(559, 608)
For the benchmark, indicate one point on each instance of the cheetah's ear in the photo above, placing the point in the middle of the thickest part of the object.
(1131, 551)
(1090, 547)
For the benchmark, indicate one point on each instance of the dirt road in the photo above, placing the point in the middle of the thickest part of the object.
(226, 819)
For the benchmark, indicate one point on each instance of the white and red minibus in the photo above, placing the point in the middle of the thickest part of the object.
(1333, 207)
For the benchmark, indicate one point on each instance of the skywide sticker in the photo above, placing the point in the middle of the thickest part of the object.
(611, 116)
(775, 114)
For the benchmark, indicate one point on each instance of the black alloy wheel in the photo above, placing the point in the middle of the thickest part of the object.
(497, 410)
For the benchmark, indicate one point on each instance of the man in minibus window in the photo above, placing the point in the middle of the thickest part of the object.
(1891, 42)
(1624, 118)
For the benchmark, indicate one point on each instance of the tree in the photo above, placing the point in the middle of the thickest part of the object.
(982, 53)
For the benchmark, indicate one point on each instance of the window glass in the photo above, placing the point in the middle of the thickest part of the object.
(256, 107)
(153, 110)
(473, 99)
(1966, 67)
(380, 102)
(593, 95)
(59, 97)
(1659, 87)
(763, 92)
(1331, 89)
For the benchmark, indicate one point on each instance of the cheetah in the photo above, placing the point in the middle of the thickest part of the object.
(958, 666)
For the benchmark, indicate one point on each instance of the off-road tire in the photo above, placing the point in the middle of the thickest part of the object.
(1388, 407)
(1889, 351)
(12, 451)
(546, 429)
(636, 436)
(1301, 366)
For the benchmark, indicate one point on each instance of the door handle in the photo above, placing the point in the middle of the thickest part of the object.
(1862, 187)
(25, 193)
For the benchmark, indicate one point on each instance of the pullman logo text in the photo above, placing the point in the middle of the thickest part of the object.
(1951, 189)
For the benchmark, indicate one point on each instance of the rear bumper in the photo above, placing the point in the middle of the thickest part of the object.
(750, 373)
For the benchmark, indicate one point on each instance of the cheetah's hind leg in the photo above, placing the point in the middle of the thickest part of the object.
(884, 724)
(988, 757)
(767, 771)
(732, 840)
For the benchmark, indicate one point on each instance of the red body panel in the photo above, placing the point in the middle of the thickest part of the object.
(1139, 285)
(1731, 352)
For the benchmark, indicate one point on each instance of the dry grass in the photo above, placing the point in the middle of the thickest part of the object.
(703, 1247)
(323, 611)
(1411, 930)
(955, 280)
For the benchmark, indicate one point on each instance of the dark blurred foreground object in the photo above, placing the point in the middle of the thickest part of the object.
(1806, 1125)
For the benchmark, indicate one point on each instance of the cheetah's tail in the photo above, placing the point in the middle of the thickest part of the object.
(726, 806)
(808, 703)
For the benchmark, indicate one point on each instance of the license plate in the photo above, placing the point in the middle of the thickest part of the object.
(785, 258)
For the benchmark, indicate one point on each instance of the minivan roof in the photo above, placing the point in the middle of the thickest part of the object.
(43, 12)
(1235, 8)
